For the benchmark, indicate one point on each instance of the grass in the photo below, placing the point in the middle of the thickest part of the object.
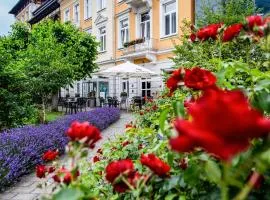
(51, 116)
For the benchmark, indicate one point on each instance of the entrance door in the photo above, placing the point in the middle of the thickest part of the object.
(103, 89)
(125, 86)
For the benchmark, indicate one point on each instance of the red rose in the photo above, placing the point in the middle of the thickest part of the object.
(141, 113)
(51, 169)
(155, 164)
(117, 168)
(125, 143)
(193, 37)
(56, 179)
(154, 107)
(65, 176)
(78, 131)
(50, 155)
(175, 78)
(41, 171)
(199, 79)
(232, 32)
(209, 31)
(254, 20)
(96, 159)
(183, 163)
(99, 151)
(222, 123)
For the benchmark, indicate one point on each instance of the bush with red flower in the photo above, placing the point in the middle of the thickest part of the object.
(207, 136)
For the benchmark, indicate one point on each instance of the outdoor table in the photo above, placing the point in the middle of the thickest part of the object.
(71, 105)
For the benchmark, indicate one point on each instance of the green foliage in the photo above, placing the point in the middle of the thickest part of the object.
(36, 63)
(226, 11)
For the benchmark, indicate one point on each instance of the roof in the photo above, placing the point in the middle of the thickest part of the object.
(45, 9)
(17, 7)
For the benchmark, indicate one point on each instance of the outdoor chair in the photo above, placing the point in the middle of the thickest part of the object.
(101, 102)
(81, 103)
(116, 103)
(110, 101)
(137, 102)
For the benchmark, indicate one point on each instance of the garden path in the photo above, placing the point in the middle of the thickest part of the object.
(27, 188)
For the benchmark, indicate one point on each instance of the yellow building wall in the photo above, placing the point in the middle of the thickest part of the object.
(185, 11)
(84, 24)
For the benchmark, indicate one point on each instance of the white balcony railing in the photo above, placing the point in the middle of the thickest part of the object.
(142, 45)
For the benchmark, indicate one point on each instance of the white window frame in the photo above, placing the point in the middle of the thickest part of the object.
(87, 9)
(126, 39)
(101, 4)
(163, 15)
(74, 13)
(67, 17)
(145, 25)
(146, 81)
(102, 39)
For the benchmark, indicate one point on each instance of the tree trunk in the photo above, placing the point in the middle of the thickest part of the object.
(55, 102)
(43, 110)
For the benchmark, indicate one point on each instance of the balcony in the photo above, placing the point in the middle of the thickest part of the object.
(48, 7)
(135, 4)
(141, 48)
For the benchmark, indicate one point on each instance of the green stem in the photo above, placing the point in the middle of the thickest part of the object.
(224, 185)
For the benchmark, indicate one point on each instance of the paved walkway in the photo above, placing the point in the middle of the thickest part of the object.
(27, 188)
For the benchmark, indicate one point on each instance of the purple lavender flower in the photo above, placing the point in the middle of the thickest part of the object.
(21, 149)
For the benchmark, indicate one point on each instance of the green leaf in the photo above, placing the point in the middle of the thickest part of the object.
(170, 196)
(68, 194)
(179, 109)
(162, 119)
(213, 171)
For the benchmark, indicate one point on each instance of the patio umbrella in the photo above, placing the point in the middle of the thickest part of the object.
(127, 70)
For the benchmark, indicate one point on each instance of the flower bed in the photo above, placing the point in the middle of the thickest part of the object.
(21, 149)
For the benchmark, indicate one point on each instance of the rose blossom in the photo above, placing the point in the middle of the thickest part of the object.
(199, 79)
(254, 20)
(121, 167)
(78, 131)
(50, 155)
(41, 171)
(209, 31)
(155, 164)
(174, 79)
(222, 123)
(231, 32)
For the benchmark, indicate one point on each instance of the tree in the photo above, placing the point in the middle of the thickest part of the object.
(226, 11)
(57, 55)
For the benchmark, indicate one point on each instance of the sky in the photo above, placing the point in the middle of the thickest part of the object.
(6, 19)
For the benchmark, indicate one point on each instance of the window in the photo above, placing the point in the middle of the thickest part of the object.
(169, 18)
(67, 15)
(77, 13)
(102, 38)
(101, 4)
(89, 30)
(146, 88)
(87, 9)
(145, 25)
(124, 32)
